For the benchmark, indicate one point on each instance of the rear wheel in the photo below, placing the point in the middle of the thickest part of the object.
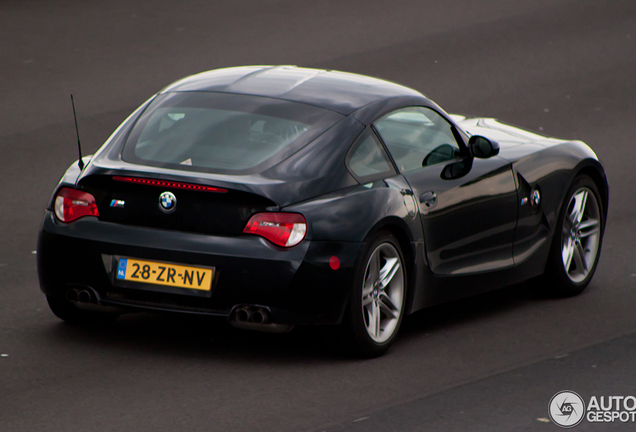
(69, 312)
(378, 297)
(576, 245)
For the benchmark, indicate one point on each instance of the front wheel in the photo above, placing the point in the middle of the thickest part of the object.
(378, 297)
(576, 245)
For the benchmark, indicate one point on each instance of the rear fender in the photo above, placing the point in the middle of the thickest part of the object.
(358, 213)
(351, 214)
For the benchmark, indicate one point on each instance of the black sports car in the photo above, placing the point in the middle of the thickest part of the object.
(275, 196)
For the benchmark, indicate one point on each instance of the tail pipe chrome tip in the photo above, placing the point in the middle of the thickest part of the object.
(72, 295)
(81, 295)
(253, 317)
(84, 296)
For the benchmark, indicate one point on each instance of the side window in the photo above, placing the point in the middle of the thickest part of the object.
(367, 159)
(417, 137)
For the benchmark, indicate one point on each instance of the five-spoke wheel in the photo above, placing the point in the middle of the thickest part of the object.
(577, 240)
(383, 292)
(378, 296)
(581, 234)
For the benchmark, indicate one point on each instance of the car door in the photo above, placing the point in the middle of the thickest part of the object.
(467, 205)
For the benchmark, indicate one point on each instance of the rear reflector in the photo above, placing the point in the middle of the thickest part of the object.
(282, 229)
(169, 184)
(72, 204)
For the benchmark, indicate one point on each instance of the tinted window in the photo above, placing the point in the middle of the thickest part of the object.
(367, 158)
(417, 137)
(222, 132)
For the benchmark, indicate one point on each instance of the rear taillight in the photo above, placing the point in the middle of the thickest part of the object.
(72, 204)
(282, 229)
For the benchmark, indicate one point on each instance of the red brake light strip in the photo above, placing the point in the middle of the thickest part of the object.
(170, 184)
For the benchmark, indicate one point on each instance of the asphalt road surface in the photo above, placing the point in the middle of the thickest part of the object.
(491, 363)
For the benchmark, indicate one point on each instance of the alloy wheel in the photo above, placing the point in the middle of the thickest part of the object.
(383, 292)
(581, 235)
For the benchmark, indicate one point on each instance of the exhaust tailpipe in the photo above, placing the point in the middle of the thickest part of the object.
(84, 296)
(257, 318)
(243, 315)
(260, 316)
(72, 295)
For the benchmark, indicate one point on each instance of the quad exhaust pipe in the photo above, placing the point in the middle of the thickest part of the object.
(88, 299)
(80, 296)
(254, 315)
(250, 317)
(257, 318)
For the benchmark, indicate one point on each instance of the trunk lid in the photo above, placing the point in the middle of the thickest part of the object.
(134, 199)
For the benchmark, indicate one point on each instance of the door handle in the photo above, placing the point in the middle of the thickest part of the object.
(406, 192)
(429, 199)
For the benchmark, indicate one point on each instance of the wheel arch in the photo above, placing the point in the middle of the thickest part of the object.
(600, 180)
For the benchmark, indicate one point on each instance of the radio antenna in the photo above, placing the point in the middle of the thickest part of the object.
(80, 162)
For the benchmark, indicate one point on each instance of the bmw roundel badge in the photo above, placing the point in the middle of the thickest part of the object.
(167, 202)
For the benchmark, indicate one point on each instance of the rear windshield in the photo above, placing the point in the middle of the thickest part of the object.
(220, 132)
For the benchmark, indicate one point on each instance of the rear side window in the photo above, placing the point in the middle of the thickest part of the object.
(218, 132)
(367, 160)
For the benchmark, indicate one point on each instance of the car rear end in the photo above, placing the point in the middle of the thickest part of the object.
(172, 215)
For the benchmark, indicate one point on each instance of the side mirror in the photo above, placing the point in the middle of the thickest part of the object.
(483, 148)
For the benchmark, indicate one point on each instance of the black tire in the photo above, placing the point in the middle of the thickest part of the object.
(67, 311)
(357, 324)
(558, 280)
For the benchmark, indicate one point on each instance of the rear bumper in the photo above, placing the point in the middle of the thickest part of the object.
(296, 284)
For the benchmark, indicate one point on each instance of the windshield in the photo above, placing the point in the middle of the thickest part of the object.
(218, 132)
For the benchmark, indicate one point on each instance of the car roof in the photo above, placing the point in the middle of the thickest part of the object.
(338, 91)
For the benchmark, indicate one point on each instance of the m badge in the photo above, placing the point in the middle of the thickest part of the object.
(117, 203)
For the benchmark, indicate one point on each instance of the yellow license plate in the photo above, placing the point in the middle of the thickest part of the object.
(159, 273)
